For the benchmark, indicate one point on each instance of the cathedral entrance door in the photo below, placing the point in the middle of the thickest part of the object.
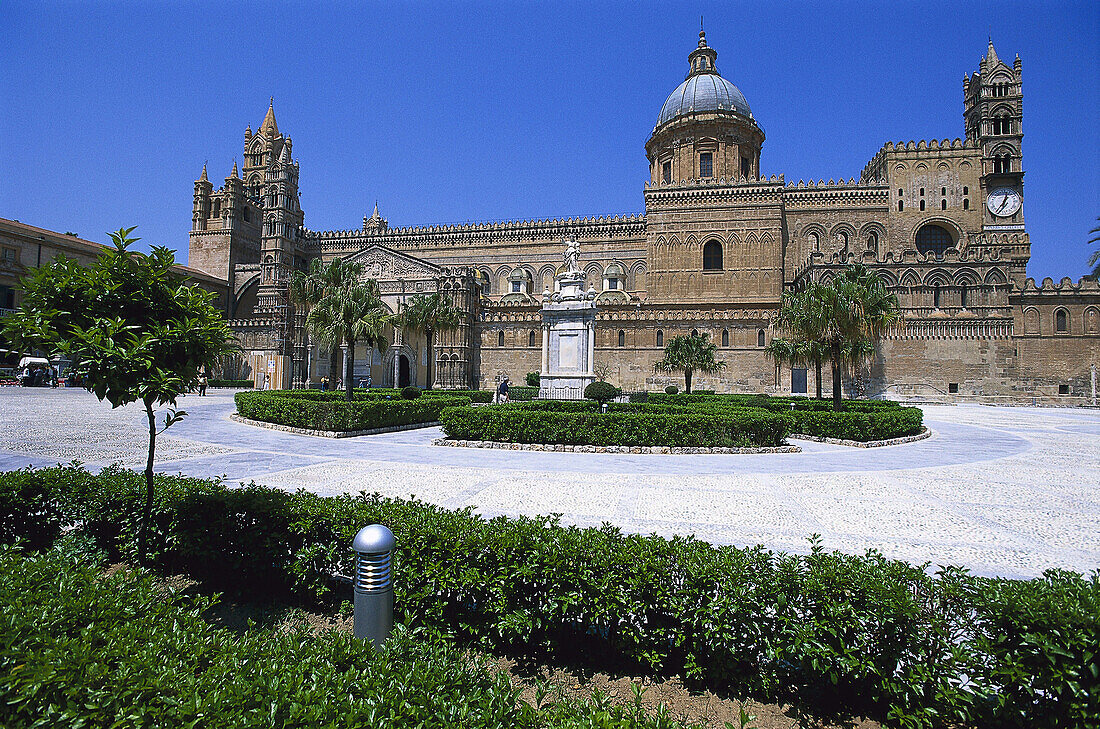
(402, 371)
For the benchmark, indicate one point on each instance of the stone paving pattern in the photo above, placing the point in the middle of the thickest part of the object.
(1003, 491)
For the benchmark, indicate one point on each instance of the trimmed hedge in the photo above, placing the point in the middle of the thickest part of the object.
(230, 383)
(529, 425)
(835, 635)
(318, 411)
(81, 648)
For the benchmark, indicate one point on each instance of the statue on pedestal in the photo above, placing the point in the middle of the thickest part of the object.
(572, 253)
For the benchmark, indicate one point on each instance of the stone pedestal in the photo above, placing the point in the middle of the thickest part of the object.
(568, 339)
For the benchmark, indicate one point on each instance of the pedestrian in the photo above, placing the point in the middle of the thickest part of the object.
(368, 381)
(324, 384)
(267, 382)
(202, 384)
(502, 391)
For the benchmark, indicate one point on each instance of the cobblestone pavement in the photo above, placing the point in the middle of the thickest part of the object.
(1003, 491)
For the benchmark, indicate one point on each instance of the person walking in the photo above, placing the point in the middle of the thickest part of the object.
(502, 391)
(202, 384)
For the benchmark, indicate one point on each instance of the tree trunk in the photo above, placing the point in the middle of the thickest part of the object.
(333, 365)
(687, 380)
(349, 369)
(818, 364)
(431, 357)
(838, 404)
(147, 511)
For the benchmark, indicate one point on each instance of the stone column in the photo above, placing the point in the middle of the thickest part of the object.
(591, 347)
(545, 349)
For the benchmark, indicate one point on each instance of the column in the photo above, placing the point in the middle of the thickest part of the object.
(591, 347)
(545, 349)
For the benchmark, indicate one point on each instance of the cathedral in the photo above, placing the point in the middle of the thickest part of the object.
(941, 221)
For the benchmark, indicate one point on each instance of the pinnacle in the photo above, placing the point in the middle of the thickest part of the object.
(269, 126)
(234, 173)
(204, 178)
(991, 54)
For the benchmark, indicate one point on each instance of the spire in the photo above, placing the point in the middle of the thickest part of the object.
(701, 60)
(284, 156)
(234, 174)
(204, 178)
(990, 54)
(375, 215)
(269, 126)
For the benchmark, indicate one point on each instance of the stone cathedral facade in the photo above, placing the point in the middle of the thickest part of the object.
(720, 241)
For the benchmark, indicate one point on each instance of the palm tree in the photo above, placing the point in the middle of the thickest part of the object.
(350, 314)
(1094, 259)
(428, 314)
(855, 312)
(799, 318)
(308, 288)
(690, 354)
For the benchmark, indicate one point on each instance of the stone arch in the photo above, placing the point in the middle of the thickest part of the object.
(995, 277)
(950, 226)
(888, 279)
(638, 276)
(1062, 321)
(938, 277)
(910, 278)
(1031, 320)
(1092, 320)
(966, 277)
(546, 277)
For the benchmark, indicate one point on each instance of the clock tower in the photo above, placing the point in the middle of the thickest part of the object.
(994, 119)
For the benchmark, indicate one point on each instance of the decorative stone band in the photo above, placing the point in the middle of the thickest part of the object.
(330, 433)
(559, 448)
(924, 433)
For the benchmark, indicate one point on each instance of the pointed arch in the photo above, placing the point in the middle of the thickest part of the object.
(995, 277)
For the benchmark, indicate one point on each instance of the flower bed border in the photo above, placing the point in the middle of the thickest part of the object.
(560, 448)
(331, 433)
(924, 433)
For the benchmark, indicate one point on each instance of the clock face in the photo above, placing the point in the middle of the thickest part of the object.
(1003, 202)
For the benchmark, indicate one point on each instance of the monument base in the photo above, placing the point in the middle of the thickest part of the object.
(564, 387)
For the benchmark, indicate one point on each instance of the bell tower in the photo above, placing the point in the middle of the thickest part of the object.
(993, 115)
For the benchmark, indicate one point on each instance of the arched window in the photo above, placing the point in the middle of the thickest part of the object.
(1002, 164)
(901, 205)
(725, 337)
(660, 338)
(966, 203)
(964, 294)
(531, 338)
(760, 338)
(694, 332)
(1061, 321)
(932, 238)
(922, 204)
(712, 256)
(936, 296)
(943, 205)
(500, 338)
(622, 338)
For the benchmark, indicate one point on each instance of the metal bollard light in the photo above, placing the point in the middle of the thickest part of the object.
(373, 583)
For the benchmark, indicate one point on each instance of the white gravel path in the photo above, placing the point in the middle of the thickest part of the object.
(1003, 491)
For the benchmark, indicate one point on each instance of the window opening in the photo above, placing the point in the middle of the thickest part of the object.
(725, 337)
(760, 338)
(706, 164)
(666, 172)
(622, 338)
(500, 338)
(712, 256)
(660, 338)
(1061, 321)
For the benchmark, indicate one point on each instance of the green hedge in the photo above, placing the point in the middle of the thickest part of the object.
(318, 411)
(835, 635)
(80, 648)
(230, 383)
(866, 426)
(530, 425)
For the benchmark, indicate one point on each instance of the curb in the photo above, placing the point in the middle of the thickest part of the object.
(924, 433)
(330, 433)
(559, 448)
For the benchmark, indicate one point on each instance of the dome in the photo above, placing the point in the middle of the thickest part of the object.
(703, 92)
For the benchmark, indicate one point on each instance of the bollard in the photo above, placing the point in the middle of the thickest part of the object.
(373, 584)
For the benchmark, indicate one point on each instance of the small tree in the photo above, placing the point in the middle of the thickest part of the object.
(601, 392)
(350, 313)
(308, 288)
(136, 329)
(800, 321)
(533, 379)
(428, 314)
(690, 354)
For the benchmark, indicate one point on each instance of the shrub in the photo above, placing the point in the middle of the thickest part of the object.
(231, 383)
(522, 394)
(601, 392)
(533, 379)
(671, 390)
(837, 635)
(328, 411)
(85, 649)
(410, 393)
(528, 425)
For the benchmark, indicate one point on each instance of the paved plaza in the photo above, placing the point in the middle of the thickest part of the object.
(1003, 491)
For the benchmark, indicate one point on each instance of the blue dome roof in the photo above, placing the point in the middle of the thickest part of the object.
(703, 92)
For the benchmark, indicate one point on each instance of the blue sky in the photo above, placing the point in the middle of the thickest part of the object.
(447, 112)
